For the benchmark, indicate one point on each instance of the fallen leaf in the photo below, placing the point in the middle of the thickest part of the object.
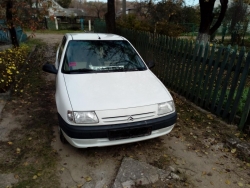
(88, 179)
(233, 150)
(226, 150)
(18, 150)
(209, 174)
(209, 116)
(240, 184)
(34, 177)
(227, 182)
(237, 134)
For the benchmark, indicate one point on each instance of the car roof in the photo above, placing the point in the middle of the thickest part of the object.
(93, 36)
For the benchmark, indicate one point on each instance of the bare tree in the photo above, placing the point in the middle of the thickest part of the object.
(238, 14)
(97, 9)
(110, 17)
(206, 13)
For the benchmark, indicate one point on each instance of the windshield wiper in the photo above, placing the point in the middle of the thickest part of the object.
(136, 69)
(80, 70)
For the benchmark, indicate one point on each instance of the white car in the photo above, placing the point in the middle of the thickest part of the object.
(105, 93)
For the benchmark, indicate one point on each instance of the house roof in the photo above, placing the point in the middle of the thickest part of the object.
(57, 10)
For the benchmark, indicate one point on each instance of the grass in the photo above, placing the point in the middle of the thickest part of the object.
(34, 42)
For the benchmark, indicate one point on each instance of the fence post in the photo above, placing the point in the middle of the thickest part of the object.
(56, 23)
(89, 25)
(245, 115)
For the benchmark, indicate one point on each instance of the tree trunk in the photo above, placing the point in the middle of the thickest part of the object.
(207, 16)
(110, 17)
(203, 37)
(12, 29)
(123, 7)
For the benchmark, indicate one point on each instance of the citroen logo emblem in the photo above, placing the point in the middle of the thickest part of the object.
(130, 118)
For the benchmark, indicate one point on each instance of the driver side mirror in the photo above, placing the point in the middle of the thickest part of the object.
(49, 68)
(150, 64)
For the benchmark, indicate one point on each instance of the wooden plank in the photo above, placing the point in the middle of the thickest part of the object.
(178, 65)
(197, 65)
(207, 75)
(202, 71)
(156, 55)
(218, 81)
(173, 62)
(184, 81)
(190, 70)
(168, 68)
(161, 55)
(166, 64)
(234, 84)
(213, 77)
(240, 88)
(226, 83)
(245, 113)
(182, 64)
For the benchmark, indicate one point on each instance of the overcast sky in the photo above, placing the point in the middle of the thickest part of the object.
(191, 2)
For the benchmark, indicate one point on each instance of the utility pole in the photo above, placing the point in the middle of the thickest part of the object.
(123, 7)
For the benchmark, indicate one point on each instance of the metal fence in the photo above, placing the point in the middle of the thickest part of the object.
(213, 77)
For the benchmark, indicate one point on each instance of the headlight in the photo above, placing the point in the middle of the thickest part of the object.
(82, 117)
(166, 108)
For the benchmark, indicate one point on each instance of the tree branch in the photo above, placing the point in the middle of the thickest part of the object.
(221, 16)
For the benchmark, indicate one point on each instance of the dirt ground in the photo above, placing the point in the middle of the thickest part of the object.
(31, 154)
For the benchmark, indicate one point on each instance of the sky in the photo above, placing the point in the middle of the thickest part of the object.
(191, 2)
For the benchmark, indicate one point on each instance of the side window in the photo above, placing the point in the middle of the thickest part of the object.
(61, 49)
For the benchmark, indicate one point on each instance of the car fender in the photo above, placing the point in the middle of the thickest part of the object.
(62, 99)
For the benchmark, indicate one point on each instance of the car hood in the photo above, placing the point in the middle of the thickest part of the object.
(102, 91)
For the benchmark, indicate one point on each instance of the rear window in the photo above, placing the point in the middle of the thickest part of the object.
(101, 56)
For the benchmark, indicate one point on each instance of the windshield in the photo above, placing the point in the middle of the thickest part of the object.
(101, 56)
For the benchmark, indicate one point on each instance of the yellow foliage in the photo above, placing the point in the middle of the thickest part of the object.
(11, 63)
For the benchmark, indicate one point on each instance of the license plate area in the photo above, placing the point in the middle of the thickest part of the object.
(124, 133)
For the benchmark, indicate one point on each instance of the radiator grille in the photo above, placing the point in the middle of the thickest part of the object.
(129, 118)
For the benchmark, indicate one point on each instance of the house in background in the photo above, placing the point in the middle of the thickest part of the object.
(70, 15)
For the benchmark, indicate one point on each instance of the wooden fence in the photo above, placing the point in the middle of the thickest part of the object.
(213, 77)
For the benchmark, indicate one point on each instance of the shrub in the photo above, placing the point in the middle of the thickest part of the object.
(131, 21)
(11, 62)
(169, 29)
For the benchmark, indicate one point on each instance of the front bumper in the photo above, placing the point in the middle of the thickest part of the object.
(95, 136)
